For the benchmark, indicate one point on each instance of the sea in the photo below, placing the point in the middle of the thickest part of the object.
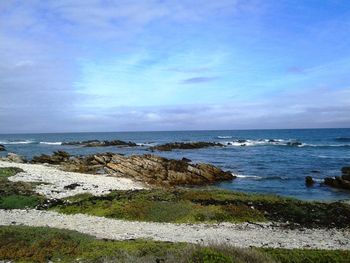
(264, 161)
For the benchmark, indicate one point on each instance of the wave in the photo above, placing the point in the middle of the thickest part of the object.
(277, 142)
(18, 142)
(255, 177)
(224, 137)
(264, 142)
(51, 143)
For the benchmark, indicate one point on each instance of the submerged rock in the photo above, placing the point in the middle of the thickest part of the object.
(2, 148)
(15, 158)
(185, 145)
(296, 143)
(309, 181)
(97, 143)
(147, 168)
(342, 182)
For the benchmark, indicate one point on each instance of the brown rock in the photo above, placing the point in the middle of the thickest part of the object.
(2, 148)
(15, 158)
(309, 181)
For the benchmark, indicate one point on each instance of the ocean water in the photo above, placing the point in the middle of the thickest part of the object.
(265, 161)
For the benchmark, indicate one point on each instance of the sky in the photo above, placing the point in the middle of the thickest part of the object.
(143, 65)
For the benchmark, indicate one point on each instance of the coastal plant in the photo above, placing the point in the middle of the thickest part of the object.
(210, 206)
(16, 195)
(43, 244)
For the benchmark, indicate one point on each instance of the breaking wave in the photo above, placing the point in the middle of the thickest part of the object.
(224, 137)
(255, 177)
(18, 142)
(277, 142)
(51, 143)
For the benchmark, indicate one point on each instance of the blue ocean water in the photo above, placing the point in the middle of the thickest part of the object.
(264, 160)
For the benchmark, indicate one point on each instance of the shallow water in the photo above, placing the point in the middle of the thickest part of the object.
(266, 161)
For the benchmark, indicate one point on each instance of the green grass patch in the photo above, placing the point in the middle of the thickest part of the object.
(38, 244)
(19, 201)
(193, 205)
(308, 256)
(9, 171)
(157, 206)
(16, 195)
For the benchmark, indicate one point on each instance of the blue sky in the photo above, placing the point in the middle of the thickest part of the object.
(104, 65)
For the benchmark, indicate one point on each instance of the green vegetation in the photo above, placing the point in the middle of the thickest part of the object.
(207, 206)
(33, 244)
(16, 195)
(158, 206)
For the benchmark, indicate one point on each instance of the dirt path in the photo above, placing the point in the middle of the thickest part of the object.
(240, 235)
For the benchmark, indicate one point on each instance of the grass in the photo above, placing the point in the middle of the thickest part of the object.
(194, 206)
(16, 195)
(157, 206)
(34, 244)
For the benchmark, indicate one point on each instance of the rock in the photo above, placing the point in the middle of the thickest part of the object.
(15, 158)
(342, 182)
(185, 146)
(186, 160)
(97, 143)
(309, 181)
(337, 182)
(294, 143)
(71, 186)
(345, 170)
(2, 148)
(58, 157)
(146, 168)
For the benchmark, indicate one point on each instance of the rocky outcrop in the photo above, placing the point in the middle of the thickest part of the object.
(342, 182)
(97, 143)
(2, 148)
(185, 145)
(15, 158)
(57, 157)
(147, 168)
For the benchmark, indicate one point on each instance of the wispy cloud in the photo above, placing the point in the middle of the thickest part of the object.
(198, 80)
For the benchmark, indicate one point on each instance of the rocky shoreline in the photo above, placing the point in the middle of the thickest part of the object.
(151, 169)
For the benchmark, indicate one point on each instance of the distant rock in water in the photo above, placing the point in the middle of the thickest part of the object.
(97, 143)
(185, 145)
(147, 168)
(342, 182)
(2, 148)
(309, 181)
(15, 158)
(296, 143)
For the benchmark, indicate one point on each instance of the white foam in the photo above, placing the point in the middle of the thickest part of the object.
(224, 137)
(247, 176)
(51, 143)
(18, 142)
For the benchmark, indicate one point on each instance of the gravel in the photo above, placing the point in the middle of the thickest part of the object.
(239, 235)
(55, 182)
